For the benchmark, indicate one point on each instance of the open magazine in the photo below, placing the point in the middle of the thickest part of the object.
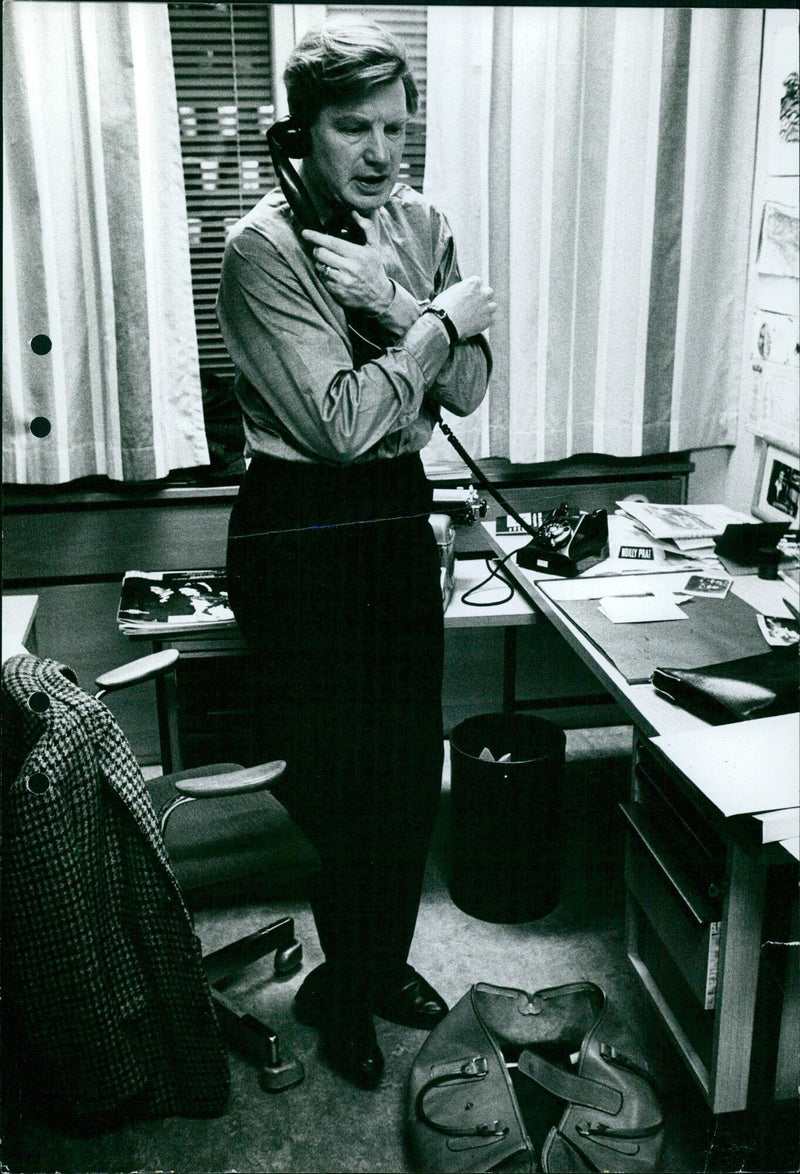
(182, 601)
(682, 522)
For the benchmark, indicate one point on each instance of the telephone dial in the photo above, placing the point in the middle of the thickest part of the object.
(564, 544)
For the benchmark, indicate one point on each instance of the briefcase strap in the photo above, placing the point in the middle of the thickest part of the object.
(577, 1089)
(475, 1069)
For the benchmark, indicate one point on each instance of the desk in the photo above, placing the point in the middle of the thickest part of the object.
(225, 646)
(694, 932)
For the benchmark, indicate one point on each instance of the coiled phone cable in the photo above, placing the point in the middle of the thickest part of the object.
(496, 571)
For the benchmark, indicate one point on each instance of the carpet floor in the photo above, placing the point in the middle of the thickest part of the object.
(324, 1124)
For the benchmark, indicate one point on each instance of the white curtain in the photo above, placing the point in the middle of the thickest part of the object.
(96, 253)
(596, 165)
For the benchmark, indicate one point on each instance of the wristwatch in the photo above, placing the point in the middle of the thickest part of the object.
(446, 321)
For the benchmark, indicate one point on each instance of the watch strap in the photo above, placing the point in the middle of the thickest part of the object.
(446, 321)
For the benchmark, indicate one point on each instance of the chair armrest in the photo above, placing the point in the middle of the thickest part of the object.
(146, 668)
(235, 782)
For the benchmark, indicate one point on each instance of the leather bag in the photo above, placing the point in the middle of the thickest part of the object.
(553, 1080)
(734, 690)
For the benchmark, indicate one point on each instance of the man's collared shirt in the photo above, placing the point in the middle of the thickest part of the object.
(300, 394)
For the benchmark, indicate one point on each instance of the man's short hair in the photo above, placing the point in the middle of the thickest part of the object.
(340, 61)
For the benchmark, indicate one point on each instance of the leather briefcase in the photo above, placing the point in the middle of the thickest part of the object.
(734, 690)
(552, 1081)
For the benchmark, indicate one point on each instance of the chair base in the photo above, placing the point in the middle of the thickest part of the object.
(255, 1038)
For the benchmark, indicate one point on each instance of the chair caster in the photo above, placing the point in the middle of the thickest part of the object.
(281, 1075)
(289, 958)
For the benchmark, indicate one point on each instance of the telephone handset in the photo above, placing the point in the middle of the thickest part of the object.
(287, 140)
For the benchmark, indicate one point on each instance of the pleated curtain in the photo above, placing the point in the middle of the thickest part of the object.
(100, 362)
(596, 165)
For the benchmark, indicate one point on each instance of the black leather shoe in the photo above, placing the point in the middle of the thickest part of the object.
(410, 1001)
(351, 1049)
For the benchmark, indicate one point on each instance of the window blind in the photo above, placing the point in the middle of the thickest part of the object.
(222, 55)
(223, 75)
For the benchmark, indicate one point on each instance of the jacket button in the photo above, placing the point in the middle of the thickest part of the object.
(39, 702)
(38, 783)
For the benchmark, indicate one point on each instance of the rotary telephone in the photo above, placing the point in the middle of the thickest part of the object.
(567, 542)
(563, 544)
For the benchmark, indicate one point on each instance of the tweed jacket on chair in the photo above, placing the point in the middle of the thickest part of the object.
(105, 999)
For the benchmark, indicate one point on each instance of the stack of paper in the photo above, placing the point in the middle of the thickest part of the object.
(688, 530)
(744, 767)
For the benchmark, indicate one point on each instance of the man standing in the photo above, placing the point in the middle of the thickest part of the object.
(345, 350)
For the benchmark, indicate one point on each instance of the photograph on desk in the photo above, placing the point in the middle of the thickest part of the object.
(180, 600)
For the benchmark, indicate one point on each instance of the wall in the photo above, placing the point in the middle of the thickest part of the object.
(730, 475)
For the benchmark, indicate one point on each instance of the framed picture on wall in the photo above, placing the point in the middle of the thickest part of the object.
(777, 493)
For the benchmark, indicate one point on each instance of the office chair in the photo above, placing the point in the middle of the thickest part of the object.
(220, 780)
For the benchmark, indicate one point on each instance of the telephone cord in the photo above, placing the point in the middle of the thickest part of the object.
(494, 573)
(481, 476)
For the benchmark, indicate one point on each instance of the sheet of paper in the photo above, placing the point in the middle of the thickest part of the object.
(640, 609)
(743, 767)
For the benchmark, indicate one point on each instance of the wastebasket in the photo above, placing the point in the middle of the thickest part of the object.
(506, 855)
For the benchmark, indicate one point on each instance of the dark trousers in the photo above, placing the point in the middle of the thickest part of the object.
(334, 581)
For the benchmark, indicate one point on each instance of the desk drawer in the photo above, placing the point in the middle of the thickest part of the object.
(696, 882)
(691, 939)
(670, 991)
(675, 826)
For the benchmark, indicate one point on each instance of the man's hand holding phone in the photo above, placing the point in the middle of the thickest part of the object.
(354, 275)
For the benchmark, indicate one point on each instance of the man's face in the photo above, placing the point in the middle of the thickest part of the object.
(356, 149)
